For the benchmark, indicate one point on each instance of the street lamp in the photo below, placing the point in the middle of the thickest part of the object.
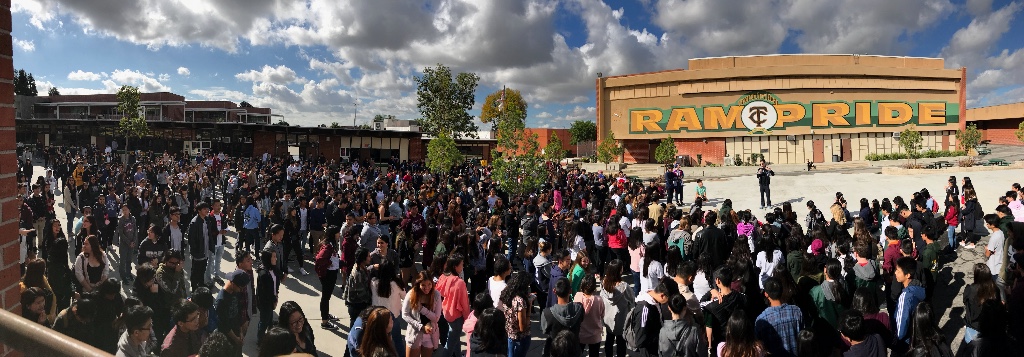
(355, 110)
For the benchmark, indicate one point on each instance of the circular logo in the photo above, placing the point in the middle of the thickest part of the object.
(759, 115)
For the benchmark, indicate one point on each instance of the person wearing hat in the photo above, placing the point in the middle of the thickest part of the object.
(231, 309)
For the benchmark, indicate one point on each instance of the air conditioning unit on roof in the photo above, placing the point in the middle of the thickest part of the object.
(896, 135)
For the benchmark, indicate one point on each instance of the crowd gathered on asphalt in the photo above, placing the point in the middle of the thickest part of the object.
(606, 263)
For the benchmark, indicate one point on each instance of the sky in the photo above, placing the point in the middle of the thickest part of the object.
(323, 61)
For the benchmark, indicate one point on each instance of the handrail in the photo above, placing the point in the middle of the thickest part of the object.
(33, 339)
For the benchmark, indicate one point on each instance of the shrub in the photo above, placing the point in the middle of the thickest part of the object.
(968, 162)
(928, 154)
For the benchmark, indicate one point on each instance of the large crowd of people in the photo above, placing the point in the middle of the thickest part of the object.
(419, 258)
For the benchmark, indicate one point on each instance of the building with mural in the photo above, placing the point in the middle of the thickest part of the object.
(788, 108)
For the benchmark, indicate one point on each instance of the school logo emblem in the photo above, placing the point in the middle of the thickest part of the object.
(759, 114)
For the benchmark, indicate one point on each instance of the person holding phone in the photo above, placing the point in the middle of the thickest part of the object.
(764, 180)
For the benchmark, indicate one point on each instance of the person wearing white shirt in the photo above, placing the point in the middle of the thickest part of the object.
(496, 284)
(303, 222)
(213, 264)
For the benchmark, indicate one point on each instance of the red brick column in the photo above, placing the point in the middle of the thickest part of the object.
(9, 272)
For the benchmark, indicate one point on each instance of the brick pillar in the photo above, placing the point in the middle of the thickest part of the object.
(9, 272)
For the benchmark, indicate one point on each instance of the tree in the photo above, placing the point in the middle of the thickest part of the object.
(32, 91)
(53, 92)
(132, 124)
(445, 103)
(1020, 131)
(495, 109)
(666, 151)
(968, 138)
(21, 83)
(282, 123)
(910, 141)
(582, 131)
(519, 167)
(442, 154)
(335, 125)
(608, 150)
(245, 104)
(554, 151)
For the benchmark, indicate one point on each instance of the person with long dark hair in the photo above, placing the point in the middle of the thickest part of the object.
(927, 339)
(326, 265)
(33, 306)
(91, 266)
(975, 296)
(294, 320)
(651, 270)
(58, 273)
(619, 299)
(518, 303)
(489, 338)
(388, 290)
(593, 313)
(376, 335)
(455, 302)
(357, 294)
(278, 342)
(739, 338)
(421, 310)
(267, 283)
(830, 295)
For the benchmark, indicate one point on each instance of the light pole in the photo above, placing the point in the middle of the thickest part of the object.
(355, 110)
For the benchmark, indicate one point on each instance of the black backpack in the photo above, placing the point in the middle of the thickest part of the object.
(633, 329)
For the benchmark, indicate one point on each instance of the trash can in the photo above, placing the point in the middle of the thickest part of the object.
(684, 160)
(835, 158)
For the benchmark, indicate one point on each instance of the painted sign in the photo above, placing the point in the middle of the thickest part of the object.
(761, 112)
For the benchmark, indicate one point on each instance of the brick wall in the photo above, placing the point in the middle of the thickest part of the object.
(1001, 131)
(417, 149)
(712, 151)
(9, 272)
(265, 141)
(637, 151)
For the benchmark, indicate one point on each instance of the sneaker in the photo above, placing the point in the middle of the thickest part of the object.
(326, 325)
(303, 271)
(332, 317)
(969, 246)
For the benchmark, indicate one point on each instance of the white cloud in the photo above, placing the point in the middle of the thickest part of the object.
(857, 26)
(25, 45)
(971, 44)
(277, 75)
(80, 75)
(979, 7)
(146, 83)
(163, 77)
(723, 27)
(183, 71)
(218, 93)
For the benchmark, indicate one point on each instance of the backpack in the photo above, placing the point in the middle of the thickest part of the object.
(817, 220)
(528, 226)
(633, 330)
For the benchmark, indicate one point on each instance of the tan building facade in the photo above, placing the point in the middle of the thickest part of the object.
(789, 108)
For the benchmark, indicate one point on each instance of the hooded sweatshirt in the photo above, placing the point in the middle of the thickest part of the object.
(678, 338)
(455, 304)
(872, 346)
(911, 295)
(865, 273)
(569, 315)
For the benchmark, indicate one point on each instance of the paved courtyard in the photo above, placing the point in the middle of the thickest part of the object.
(797, 189)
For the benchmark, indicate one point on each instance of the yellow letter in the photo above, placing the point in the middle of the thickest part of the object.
(715, 118)
(789, 113)
(825, 113)
(863, 113)
(886, 117)
(645, 120)
(682, 118)
(931, 113)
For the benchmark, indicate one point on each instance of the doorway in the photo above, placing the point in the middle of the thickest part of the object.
(818, 146)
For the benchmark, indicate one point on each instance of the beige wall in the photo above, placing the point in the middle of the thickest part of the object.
(793, 78)
(777, 149)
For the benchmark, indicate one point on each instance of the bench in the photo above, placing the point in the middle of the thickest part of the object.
(982, 150)
(998, 162)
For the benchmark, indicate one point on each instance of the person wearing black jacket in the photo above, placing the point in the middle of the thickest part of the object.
(764, 180)
(713, 241)
(201, 235)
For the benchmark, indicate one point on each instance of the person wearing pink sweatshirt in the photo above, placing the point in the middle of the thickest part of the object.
(455, 305)
(481, 301)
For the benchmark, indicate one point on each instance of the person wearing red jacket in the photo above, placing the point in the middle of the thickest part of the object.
(327, 264)
(455, 305)
(952, 215)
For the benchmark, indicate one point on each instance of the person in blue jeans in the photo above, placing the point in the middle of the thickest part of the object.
(518, 304)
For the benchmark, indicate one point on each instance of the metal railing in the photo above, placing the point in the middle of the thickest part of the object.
(33, 339)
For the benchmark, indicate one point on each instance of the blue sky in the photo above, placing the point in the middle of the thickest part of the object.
(316, 60)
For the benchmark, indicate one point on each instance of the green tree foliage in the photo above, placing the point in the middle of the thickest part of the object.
(910, 141)
(554, 151)
(1020, 131)
(53, 92)
(494, 111)
(608, 149)
(245, 104)
(32, 91)
(21, 83)
(282, 123)
(132, 125)
(335, 125)
(666, 151)
(442, 154)
(445, 102)
(968, 138)
(582, 131)
(519, 165)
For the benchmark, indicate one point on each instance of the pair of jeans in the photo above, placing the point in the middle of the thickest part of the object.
(249, 239)
(593, 350)
(125, 250)
(636, 283)
(198, 276)
(451, 336)
(970, 334)
(951, 235)
(518, 348)
(327, 284)
(266, 322)
(614, 343)
(766, 194)
(213, 265)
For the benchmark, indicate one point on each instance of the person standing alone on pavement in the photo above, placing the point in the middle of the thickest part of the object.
(764, 180)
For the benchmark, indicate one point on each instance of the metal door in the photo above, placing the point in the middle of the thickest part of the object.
(818, 146)
(847, 144)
